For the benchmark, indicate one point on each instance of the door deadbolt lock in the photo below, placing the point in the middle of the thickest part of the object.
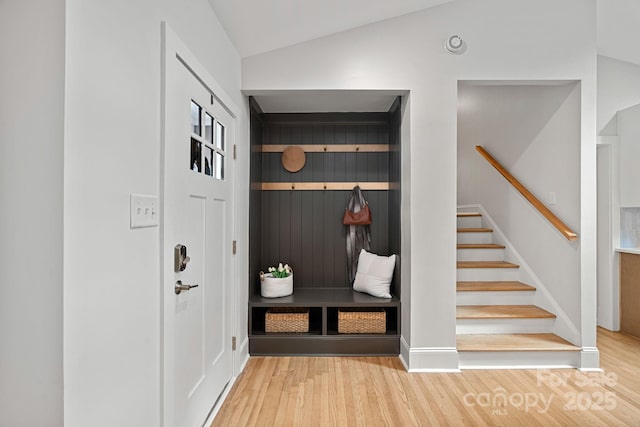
(180, 258)
(180, 287)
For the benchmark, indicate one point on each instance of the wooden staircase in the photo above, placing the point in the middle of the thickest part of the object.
(497, 323)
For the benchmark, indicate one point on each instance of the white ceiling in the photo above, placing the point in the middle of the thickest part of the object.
(323, 101)
(257, 26)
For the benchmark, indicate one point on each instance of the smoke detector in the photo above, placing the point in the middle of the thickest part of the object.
(455, 45)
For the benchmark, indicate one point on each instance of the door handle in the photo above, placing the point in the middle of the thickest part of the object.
(180, 258)
(180, 287)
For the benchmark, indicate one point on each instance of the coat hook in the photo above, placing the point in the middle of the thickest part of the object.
(324, 186)
(325, 148)
(293, 186)
(357, 148)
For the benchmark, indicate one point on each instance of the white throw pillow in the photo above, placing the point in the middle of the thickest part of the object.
(374, 274)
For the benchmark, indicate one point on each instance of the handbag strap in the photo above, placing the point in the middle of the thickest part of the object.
(358, 236)
(356, 200)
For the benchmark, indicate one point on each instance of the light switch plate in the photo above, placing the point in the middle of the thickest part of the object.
(145, 211)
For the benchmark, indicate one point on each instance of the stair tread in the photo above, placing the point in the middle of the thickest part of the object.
(468, 214)
(480, 246)
(513, 342)
(486, 264)
(475, 230)
(502, 312)
(493, 286)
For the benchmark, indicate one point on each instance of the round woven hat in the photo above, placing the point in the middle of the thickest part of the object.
(293, 158)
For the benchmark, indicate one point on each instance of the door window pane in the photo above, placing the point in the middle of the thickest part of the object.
(208, 161)
(196, 118)
(208, 128)
(220, 136)
(196, 154)
(219, 166)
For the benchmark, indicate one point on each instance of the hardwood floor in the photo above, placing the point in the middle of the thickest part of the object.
(377, 391)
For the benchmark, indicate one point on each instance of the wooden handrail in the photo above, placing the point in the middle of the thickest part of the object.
(550, 216)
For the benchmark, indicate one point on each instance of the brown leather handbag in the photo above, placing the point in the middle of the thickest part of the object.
(363, 216)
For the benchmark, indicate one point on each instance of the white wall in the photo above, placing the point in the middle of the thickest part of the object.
(407, 53)
(31, 147)
(618, 29)
(618, 88)
(111, 273)
(534, 131)
(629, 148)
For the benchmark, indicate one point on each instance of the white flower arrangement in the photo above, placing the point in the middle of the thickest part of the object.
(280, 272)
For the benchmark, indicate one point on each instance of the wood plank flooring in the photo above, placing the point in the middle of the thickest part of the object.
(377, 391)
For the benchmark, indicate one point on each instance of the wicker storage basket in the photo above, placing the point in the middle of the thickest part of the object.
(287, 319)
(362, 321)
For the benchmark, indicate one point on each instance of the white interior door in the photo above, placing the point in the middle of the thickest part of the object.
(198, 215)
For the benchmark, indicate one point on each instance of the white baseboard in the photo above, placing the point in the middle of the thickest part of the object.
(240, 360)
(404, 353)
(590, 359)
(428, 359)
(220, 402)
(242, 356)
(519, 359)
(433, 359)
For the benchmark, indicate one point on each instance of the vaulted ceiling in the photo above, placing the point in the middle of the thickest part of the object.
(257, 26)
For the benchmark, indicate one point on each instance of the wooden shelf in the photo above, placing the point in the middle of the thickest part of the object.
(324, 297)
(328, 148)
(284, 186)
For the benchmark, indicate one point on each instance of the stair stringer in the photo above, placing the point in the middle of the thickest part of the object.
(563, 326)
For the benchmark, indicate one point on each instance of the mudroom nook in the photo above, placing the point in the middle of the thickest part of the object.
(296, 218)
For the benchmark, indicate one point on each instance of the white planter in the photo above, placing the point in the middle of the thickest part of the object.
(273, 287)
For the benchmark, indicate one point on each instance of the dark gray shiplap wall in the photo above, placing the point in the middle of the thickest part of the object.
(304, 228)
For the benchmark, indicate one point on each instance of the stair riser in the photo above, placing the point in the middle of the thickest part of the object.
(470, 222)
(480, 254)
(482, 237)
(495, 298)
(487, 274)
(504, 326)
(518, 359)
